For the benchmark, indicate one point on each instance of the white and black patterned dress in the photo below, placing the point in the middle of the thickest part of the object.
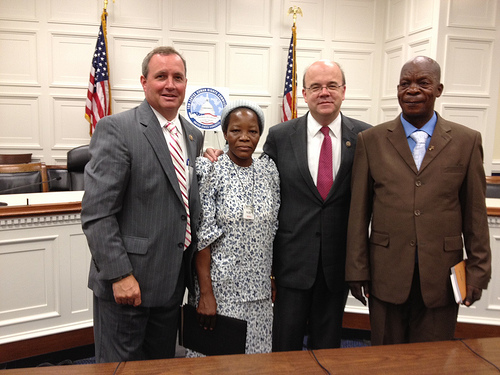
(241, 249)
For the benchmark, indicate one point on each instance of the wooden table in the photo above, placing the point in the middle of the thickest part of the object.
(447, 357)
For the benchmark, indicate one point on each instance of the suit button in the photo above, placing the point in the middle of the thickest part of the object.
(418, 183)
(412, 243)
(183, 217)
(318, 234)
(180, 245)
(417, 212)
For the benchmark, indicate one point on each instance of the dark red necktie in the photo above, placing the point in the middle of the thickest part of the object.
(325, 167)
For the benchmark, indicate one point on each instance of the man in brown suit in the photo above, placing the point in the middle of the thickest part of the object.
(420, 217)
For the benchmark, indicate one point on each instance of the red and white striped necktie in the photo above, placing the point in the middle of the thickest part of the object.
(180, 170)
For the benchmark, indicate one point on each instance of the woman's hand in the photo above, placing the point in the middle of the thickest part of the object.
(273, 289)
(207, 307)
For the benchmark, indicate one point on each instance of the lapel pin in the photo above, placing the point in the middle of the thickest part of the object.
(431, 148)
(190, 137)
(348, 144)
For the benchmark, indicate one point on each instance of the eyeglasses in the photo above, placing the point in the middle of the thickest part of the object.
(332, 87)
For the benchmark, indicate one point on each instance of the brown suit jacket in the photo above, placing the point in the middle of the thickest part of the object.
(434, 210)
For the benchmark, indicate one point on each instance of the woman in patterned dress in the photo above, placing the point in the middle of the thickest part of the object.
(239, 217)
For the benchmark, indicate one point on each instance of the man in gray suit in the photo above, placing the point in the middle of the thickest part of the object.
(136, 219)
(310, 245)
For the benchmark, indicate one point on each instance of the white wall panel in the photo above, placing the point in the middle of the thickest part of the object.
(146, 14)
(122, 104)
(248, 70)
(201, 61)
(472, 76)
(19, 58)
(32, 263)
(393, 61)
(79, 254)
(357, 66)
(67, 11)
(266, 108)
(396, 16)
(252, 18)
(355, 21)
(71, 59)
(70, 127)
(304, 58)
(419, 48)
(311, 25)
(129, 52)
(19, 119)
(20, 10)
(493, 300)
(472, 116)
(359, 113)
(194, 15)
(388, 113)
(48, 258)
(472, 13)
(421, 15)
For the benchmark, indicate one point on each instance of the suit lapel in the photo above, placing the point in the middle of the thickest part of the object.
(397, 137)
(155, 137)
(298, 141)
(440, 138)
(189, 141)
(347, 147)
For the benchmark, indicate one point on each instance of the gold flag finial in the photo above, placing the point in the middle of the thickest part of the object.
(295, 10)
(106, 4)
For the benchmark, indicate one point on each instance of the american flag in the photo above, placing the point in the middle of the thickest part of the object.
(290, 93)
(99, 92)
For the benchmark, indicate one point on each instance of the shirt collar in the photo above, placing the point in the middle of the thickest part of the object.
(428, 127)
(313, 127)
(163, 121)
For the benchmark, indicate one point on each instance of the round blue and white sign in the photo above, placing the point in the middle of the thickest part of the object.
(204, 107)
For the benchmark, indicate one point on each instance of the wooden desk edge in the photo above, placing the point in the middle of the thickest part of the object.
(40, 209)
(67, 207)
(80, 337)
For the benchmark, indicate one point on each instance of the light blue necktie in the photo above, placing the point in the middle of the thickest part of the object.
(419, 136)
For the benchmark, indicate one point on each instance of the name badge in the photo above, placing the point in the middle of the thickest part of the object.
(248, 212)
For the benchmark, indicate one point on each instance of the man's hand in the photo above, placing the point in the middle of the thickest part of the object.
(207, 307)
(212, 154)
(360, 290)
(473, 295)
(127, 291)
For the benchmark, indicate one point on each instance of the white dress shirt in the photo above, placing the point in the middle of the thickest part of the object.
(168, 138)
(314, 141)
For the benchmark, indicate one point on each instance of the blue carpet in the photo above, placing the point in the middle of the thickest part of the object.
(354, 343)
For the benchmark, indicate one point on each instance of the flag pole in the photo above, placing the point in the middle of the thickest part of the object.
(294, 10)
(104, 20)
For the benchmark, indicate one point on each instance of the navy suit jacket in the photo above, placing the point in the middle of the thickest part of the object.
(132, 210)
(307, 224)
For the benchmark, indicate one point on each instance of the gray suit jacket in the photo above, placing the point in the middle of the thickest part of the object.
(132, 210)
(429, 210)
(306, 222)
